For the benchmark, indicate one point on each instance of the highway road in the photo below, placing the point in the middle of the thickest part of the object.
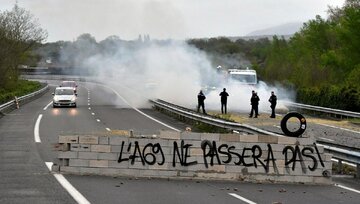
(27, 136)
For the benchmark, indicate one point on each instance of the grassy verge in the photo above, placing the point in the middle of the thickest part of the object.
(23, 87)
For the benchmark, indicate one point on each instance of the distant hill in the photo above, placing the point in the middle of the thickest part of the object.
(285, 30)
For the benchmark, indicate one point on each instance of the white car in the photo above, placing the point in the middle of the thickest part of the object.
(64, 96)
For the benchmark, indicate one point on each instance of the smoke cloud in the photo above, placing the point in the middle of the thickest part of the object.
(175, 72)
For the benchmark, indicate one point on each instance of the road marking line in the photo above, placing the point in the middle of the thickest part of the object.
(92, 113)
(98, 120)
(89, 108)
(108, 129)
(139, 111)
(78, 197)
(347, 188)
(323, 138)
(47, 106)
(88, 104)
(353, 131)
(241, 198)
(36, 129)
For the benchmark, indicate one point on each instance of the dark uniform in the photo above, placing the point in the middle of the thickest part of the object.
(272, 100)
(224, 96)
(201, 99)
(254, 104)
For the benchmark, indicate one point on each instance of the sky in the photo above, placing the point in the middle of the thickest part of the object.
(163, 19)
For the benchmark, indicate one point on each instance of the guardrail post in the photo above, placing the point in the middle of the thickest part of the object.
(16, 102)
(340, 166)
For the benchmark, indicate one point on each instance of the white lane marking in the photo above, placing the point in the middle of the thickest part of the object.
(47, 106)
(340, 128)
(89, 108)
(347, 188)
(108, 129)
(139, 111)
(78, 197)
(241, 198)
(88, 104)
(92, 113)
(36, 129)
(323, 138)
(98, 120)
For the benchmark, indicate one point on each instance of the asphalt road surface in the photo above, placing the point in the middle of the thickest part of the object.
(24, 177)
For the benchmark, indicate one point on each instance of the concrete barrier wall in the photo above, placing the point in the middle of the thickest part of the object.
(196, 155)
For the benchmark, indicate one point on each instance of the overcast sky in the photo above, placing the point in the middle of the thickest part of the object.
(67, 19)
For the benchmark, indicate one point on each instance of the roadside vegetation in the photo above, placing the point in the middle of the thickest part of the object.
(321, 61)
(19, 34)
(23, 87)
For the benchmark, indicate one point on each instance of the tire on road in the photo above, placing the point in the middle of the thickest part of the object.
(298, 132)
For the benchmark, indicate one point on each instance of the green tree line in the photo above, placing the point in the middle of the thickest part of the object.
(322, 60)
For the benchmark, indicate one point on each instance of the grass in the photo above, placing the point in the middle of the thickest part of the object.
(23, 87)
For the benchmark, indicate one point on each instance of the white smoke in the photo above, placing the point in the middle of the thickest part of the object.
(175, 72)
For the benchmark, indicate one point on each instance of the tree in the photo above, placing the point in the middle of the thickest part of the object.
(19, 33)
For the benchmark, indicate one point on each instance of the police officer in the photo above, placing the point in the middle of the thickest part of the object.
(254, 104)
(272, 100)
(201, 99)
(224, 96)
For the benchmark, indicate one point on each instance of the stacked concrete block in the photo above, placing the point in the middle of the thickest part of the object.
(196, 155)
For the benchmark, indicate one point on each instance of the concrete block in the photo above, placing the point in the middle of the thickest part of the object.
(210, 136)
(80, 147)
(108, 156)
(268, 139)
(229, 138)
(196, 151)
(165, 166)
(287, 140)
(67, 155)
(100, 148)
(130, 172)
(190, 136)
(322, 180)
(121, 165)
(69, 169)
(99, 163)
(167, 134)
(306, 141)
(121, 132)
(117, 140)
(90, 171)
(78, 162)
(233, 168)
(249, 138)
(88, 155)
(104, 140)
(61, 147)
(68, 139)
(88, 139)
(138, 165)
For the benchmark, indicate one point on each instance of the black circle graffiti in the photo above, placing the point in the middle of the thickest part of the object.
(301, 128)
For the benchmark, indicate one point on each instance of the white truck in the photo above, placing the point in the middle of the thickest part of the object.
(244, 76)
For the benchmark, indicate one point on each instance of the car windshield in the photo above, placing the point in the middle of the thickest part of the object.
(68, 84)
(251, 79)
(64, 92)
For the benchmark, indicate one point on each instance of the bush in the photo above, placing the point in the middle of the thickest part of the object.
(345, 97)
(22, 87)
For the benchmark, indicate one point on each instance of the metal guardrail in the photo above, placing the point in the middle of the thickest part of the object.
(343, 153)
(209, 119)
(21, 99)
(323, 109)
